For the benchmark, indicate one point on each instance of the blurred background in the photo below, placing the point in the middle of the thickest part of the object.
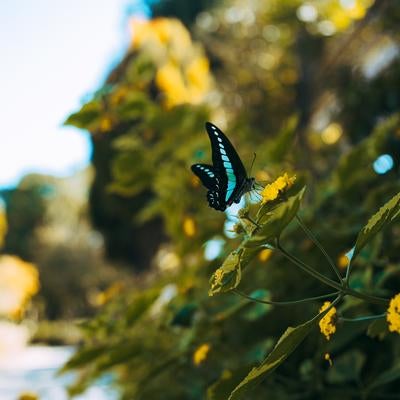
(107, 242)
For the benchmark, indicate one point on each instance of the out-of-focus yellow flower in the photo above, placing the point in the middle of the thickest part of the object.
(264, 255)
(183, 73)
(332, 133)
(169, 79)
(3, 227)
(201, 353)
(328, 358)
(393, 314)
(342, 14)
(19, 281)
(197, 77)
(28, 396)
(327, 324)
(343, 261)
(159, 32)
(189, 227)
(105, 124)
(272, 191)
(105, 296)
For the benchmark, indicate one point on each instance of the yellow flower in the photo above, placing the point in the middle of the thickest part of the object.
(201, 354)
(189, 227)
(169, 79)
(264, 255)
(393, 314)
(183, 72)
(159, 32)
(328, 358)
(28, 396)
(218, 275)
(19, 281)
(343, 261)
(105, 124)
(327, 323)
(274, 189)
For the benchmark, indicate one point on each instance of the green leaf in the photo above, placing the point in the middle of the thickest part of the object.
(386, 214)
(346, 368)
(277, 220)
(87, 117)
(385, 377)
(287, 343)
(140, 305)
(228, 276)
(226, 383)
(378, 328)
(84, 357)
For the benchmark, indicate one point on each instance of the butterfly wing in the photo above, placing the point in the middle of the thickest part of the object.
(212, 181)
(227, 165)
(207, 175)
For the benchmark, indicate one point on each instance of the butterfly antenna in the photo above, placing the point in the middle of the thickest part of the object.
(252, 163)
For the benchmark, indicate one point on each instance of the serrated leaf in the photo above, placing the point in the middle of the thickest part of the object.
(287, 343)
(386, 215)
(228, 276)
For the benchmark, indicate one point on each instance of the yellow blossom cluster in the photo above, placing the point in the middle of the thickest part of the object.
(183, 74)
(393, 314)
(327, 323)
(218, 275)
(274, 189)
(19, 281)
(201, 354)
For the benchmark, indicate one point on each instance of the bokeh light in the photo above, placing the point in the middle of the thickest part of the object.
(383, 164)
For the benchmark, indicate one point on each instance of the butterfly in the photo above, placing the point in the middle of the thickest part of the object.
(226, 180)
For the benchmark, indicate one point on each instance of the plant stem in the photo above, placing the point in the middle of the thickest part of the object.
(366, 297)
(308, 269)
(319, 245)
(284, 303)
(343, 288)
(365, 318)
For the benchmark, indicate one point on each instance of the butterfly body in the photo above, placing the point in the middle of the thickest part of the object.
(226, 180)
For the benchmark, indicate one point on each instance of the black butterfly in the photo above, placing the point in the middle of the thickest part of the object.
(226, 180)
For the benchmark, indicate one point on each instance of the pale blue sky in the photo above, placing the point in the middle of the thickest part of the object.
(53, 53)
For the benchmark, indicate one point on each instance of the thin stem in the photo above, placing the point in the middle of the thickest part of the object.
(364, 318)
(348, 271)
(284, 303)
(344, 289)
(319, 245)
(366, 297)
(308, 269)
(334, 302)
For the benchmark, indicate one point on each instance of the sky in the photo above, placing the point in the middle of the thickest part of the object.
(53, 54)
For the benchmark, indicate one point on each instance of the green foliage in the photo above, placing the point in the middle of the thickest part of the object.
(287, 343)
(269, 66)
(386, 215)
